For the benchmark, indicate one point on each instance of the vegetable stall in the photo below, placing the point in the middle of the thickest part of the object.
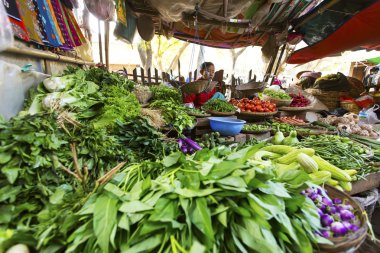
(95, 162)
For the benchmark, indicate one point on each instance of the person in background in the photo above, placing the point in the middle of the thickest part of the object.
(207, 71)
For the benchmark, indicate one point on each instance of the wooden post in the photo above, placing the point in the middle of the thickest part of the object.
(156, 75)
(179, 69)
(250, 75)
(171, 72)
(279, 61)
(149, 77)
(195, 74)
(270, 66)
(135, 75)
(190, 76)
(100, 42)
(107, 42)
(142, 76)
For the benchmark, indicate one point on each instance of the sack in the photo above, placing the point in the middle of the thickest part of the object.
(102, 9)
(6, 33)
(334, 82)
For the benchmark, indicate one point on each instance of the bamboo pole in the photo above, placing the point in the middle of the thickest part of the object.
(107, 42)
(279, 61)
(46, 55)
(100, 42)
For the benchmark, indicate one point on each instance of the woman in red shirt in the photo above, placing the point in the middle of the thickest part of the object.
(207, 71)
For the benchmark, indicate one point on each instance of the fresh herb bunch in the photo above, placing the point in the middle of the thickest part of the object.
(105, 78)
(144, 140)
(163, 92)
(196, 111)
(277, 94)
(218, 105)
(174, 114)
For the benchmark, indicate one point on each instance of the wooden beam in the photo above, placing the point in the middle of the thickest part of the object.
(270, 65)
(279, 60)
(100, 42)
(225, 8)
(107, 42)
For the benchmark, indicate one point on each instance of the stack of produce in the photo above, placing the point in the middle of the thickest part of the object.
(255, 128)
(283, 127)
(211, 140)
(277, 94)
(291, 120)
(218, 105)
(299, 100)
(342, 152)
(349, 123)
(188, 146)
(254, 105)
(163, 92)
(337, 218)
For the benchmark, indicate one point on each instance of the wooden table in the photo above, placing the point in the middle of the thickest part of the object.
(371, 181)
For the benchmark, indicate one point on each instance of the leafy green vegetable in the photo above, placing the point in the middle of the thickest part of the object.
(165, 93)
(218, 105)
(277, 94)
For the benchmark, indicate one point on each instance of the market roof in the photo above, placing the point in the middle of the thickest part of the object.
(337, 26)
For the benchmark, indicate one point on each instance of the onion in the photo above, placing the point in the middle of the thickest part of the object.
(338, 228)
(326, 220)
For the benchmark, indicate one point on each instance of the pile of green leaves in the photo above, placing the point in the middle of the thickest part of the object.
(105, 78)
(277, 94)
(174, 114)
(215, 201)
(144, 140)
(218, 105)
(165, 93)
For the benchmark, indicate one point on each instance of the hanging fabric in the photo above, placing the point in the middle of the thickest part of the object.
(29, 16)
(47, 20)
(18, 25)
(68, 42)
(126, 23)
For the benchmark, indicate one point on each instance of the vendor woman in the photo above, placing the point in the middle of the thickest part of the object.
(207, 71)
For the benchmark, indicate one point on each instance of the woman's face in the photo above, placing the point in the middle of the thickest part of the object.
(209, 72)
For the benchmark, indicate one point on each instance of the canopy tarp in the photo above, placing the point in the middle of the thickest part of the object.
(345, 26)
(374, 60)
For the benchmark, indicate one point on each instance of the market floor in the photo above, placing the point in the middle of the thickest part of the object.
(368, 246)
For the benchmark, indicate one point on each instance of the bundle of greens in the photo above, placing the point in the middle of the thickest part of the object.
(163, 92)
(218, 200)
(174, 114)
(218, 105)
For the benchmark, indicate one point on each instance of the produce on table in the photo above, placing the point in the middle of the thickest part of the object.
(277, 94)
(165, 93)
(349, 123)
(188, 146)
(211, 140)
(283, 127)
(255, 127)
(337, 218)
(327, 126)
(219, 200)
(154, 117)
(196, 111)
(218, 105)
(278, 137)
(291, 139)
(254, 105)
(299, 100)
(341, 152)
(290, 120)
(174, 114)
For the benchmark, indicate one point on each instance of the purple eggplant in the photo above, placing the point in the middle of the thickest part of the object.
(338, 228)
(354, 227)
(326, 220)
(327, 201)
(326, 233)
(192, 143)
(337, 201)
(331, 209)
(346, 215)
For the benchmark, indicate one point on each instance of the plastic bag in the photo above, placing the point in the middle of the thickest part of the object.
(14, 86)
(371, 114)
(314, 102)
(102, 9)
(6, 33)
(368, 201)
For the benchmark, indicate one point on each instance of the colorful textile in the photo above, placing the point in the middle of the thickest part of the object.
(68, 42)
(30, 18)
(71, 29)
(17, 23)
(47, 20)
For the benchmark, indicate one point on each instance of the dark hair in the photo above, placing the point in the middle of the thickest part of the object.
(206, 64)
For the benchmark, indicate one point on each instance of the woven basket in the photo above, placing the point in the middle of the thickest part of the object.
(351, 242)
(143, 97)
(215, 113)
(357, 87)
(331, 99)
(277, 101)
(197, 87)
(249, 89)
(350, 106)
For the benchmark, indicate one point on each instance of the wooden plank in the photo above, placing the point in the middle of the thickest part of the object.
(195, 74)
(371, 181)
(190, 76)
(171, 72)
(149, 77)
(156, 75)
(142, 75)
(250, 75)
(135, 75)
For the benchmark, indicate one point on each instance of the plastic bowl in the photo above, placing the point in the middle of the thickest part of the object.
(226, 126)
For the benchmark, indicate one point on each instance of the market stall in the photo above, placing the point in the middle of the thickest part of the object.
(91, 161)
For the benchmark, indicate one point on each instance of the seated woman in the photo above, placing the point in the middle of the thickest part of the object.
(207, 71)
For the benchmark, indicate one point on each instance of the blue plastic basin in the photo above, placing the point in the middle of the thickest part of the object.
(226, 126)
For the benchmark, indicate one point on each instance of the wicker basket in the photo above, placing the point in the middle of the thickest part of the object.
(278, 102)
(249, 89)
(357, 87)
(143, 97)
(351, 242)
(350, 106)
(197, 87)
(331, 99)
